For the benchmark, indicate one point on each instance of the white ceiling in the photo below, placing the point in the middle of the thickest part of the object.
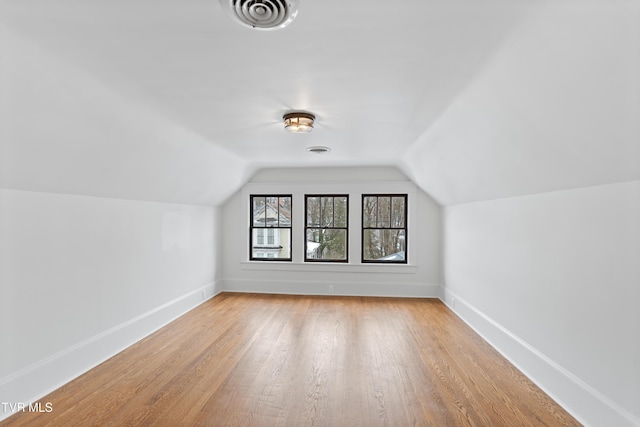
(171, 100)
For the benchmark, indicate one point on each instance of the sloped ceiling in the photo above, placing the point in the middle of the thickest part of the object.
(172, 101)
(557, 107)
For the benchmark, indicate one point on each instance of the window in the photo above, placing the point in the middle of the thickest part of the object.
(384, 228)
(326, 230)
(270, 228)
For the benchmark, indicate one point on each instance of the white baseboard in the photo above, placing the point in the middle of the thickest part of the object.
(586, 404)
(323, 287)
(39, 379)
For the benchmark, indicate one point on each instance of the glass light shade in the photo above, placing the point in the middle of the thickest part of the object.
(298, 122)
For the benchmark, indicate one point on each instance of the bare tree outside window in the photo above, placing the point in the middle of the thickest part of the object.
(384, 228)
(326, 228)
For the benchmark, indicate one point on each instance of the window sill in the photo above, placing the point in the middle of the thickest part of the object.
(329, 267)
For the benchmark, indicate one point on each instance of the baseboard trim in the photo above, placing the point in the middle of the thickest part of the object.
(35, 381)
(586, 404)
(324, 287)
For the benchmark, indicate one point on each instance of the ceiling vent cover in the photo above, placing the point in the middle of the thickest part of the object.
(262, 14)
(318, 149)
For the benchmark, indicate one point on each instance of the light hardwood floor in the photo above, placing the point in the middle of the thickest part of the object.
(273, 360)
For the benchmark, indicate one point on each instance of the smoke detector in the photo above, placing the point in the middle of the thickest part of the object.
(262, 14)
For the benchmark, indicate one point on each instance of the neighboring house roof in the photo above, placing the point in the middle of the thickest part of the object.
(275, 215)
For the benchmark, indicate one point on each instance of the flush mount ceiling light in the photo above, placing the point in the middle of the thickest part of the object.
(298, 122)
(262, 14)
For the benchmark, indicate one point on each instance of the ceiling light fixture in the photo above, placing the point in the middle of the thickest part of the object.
(298, 122)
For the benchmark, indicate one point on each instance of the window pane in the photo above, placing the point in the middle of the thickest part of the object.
(271, 243)
(322, 241)
(272, 213)
(340, 212)
(285, 211)
(397, 212)
(326, 244)
(383, 245)
(369, 211)
(270, 227)
(267, 237)
(258, 211)
(326, 211)
(313, 211)
(384, 212)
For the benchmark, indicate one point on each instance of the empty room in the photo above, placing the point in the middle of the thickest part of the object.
(320, 213)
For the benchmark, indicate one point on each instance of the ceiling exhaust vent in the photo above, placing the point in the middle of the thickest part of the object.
(262, 14)
(318, 149)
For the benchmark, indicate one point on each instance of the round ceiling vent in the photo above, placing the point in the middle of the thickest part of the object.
(318, 149)
(262, 14)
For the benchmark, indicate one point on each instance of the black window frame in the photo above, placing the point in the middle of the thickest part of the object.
(252, 227)
(345, 228)
(389, 227)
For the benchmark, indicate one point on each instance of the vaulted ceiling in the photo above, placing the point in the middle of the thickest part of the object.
(171, 100)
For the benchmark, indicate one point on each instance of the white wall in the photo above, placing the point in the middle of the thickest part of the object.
(553, 281)
(64, 130)
(421, 277)
(81, 278)
(556, 107)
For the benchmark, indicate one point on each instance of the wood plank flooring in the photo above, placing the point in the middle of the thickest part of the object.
(274, 360)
